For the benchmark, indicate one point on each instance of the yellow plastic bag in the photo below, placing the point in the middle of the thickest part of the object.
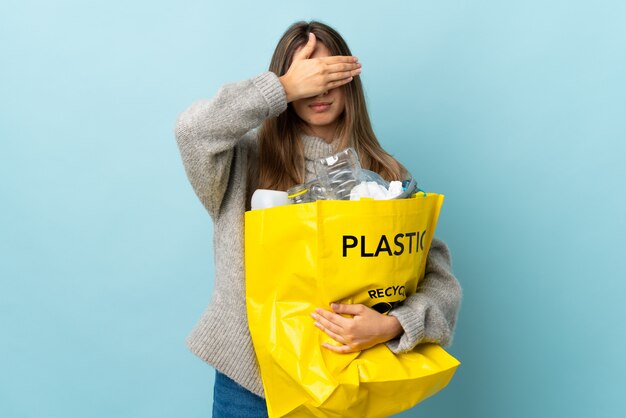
(299, 257)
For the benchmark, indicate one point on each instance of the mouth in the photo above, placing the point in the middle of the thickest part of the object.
(320, 106)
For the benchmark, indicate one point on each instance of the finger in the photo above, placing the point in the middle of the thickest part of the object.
(342, 67)
(327, 323)
(339, 59)
(331, 334)
(333, 317)
(349, 309)
(307, 50)
(338, 83)
(341, 349)
(343, 75)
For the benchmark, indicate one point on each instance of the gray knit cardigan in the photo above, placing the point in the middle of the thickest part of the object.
(217, 142)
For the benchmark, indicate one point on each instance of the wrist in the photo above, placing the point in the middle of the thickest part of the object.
(394, 327)
(284, 80)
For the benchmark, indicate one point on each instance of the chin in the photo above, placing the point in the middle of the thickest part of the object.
(322, 120)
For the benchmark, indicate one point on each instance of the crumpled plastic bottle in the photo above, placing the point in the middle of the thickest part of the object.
(339, 173)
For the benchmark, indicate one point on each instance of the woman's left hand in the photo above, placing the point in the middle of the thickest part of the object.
(365, 329)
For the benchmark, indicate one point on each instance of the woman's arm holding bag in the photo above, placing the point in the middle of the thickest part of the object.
(429, 315)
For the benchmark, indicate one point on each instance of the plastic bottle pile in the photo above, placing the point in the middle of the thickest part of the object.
(341, 177)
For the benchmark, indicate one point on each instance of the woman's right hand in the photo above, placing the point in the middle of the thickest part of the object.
(309, 77)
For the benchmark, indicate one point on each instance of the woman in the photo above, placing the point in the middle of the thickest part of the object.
(310, 104)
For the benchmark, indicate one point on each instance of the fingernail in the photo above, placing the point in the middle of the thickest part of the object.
(334, 305)
(314, 315)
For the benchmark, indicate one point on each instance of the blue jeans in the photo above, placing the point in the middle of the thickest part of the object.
(231, 400)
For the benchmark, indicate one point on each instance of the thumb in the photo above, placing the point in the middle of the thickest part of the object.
(307, 50)
(343, 308)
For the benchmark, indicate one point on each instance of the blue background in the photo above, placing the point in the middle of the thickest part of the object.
(513, 109)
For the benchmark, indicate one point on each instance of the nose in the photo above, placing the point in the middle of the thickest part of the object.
(322, 94)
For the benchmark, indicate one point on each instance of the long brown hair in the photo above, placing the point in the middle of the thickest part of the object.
(281, 156)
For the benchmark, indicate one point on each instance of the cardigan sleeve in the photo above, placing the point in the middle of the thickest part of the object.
(430, 314)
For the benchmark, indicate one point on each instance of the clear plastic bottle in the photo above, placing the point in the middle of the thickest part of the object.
(298, 194)
(307, 192)
(339, 173)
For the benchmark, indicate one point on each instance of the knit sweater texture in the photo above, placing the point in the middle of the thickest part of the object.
(217, 142)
